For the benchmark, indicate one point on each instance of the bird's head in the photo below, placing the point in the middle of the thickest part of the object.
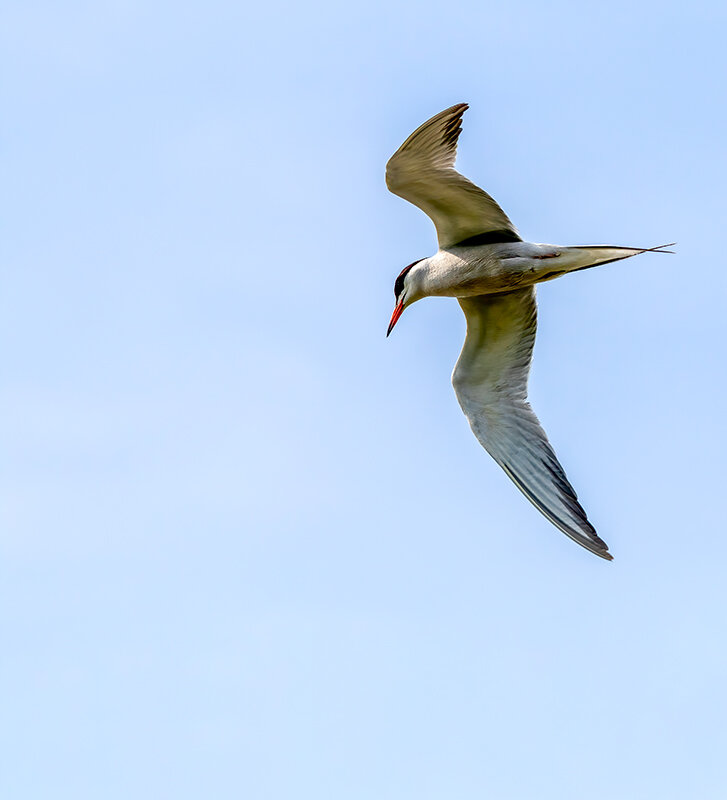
(406, 291)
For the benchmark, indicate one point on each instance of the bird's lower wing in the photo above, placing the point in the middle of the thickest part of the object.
(490, 380)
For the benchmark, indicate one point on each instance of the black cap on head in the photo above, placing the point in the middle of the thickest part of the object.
(399, 282)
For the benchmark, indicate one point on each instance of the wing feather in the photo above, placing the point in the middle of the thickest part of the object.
(422, 172)
(490, 380)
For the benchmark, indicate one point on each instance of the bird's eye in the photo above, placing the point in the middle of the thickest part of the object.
(399, 283)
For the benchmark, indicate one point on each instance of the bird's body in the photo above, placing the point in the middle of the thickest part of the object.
(483, 262)
(473, 270)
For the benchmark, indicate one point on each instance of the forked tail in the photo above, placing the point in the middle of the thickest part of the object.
(573, 259)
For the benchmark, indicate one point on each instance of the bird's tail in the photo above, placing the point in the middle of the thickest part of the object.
(572, 259)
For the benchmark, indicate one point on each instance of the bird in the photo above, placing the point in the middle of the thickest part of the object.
(484, 263)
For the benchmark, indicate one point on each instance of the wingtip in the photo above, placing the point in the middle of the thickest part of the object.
(592, 547)
(595, 545)
(456, 110)
(598, 547)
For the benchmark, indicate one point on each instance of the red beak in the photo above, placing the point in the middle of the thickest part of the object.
(395, 316)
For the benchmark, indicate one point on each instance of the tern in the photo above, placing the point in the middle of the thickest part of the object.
(485, 264)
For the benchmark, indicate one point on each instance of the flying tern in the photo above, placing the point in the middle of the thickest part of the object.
(485, 264)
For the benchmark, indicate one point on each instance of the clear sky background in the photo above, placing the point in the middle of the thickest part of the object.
(250, 548)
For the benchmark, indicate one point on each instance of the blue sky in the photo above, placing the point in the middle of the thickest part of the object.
(249, 547)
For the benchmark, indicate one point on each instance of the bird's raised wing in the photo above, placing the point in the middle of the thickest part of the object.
(490, 380)
(422, 172)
